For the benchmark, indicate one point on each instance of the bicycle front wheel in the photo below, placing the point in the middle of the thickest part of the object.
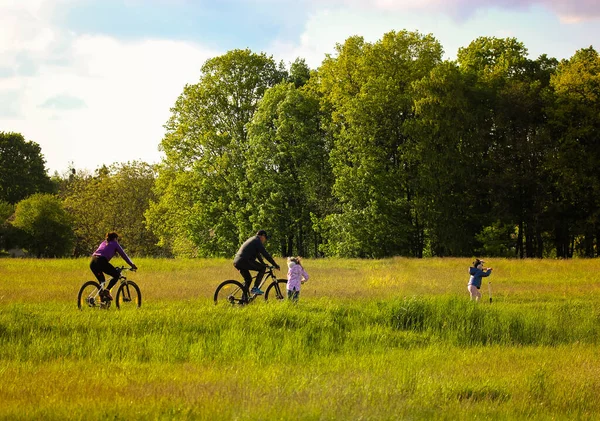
(89, 296)
(277, 290)
(230, 293)
(129, 296)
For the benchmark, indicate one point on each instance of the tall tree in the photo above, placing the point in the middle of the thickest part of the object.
(575, 120)
(447, 132)
(22, 168)
(288, 168)
(513, 136)
(200, 209)
(367, 87)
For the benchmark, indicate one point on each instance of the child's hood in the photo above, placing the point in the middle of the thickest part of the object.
(297, 268)
(472, 271)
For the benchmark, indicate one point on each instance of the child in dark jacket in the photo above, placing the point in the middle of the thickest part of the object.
(477, 272)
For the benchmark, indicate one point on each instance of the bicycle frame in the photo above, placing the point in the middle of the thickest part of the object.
(122, 278)
(268, 275)
(235, 292)
(122, 283)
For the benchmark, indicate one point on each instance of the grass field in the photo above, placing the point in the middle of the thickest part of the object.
(369, 340)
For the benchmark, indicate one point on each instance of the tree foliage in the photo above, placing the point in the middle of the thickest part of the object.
(115, 198)
(200, 208)
(575, 125)
(368, 89)
(288, 169)
(385, 149)
(22, 168)
(47, 225)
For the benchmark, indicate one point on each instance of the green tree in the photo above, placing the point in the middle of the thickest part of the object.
(447, 132)
(6, 211)
(46, 223)
(115, 198)
(299, 73)
(22, 168)
(513, 140)
(575, 121)
(367, 87)
(200, 209)
(288, 168)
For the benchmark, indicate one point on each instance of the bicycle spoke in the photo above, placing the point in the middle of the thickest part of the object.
(88, 297)
(277, 290)
(129, 296)
(230, 293)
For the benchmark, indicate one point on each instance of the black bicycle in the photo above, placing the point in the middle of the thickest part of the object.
(233, 292)
(128, 294)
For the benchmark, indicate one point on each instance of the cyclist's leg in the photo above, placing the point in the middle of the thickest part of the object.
(247, 277)
(96, 269)
(109, 269)
(261, 268)
(242, 266)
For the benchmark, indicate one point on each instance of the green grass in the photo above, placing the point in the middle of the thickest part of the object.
(371, 340)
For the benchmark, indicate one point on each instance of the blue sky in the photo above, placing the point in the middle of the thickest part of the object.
(92, 81)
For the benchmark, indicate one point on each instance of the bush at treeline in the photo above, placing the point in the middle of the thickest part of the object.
(385, 149)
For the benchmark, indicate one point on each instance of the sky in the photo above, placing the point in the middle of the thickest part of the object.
(93, 81)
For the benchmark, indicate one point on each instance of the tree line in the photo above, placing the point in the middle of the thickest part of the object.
(386, 149)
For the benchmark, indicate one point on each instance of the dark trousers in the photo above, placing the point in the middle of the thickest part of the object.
(99, 266)
(245, 266)
(293, 295)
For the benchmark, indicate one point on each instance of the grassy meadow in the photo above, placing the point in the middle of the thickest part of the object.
(369, 340)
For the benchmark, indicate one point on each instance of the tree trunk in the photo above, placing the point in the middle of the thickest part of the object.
(520, 251)
(561, 239)
(529, 249)
(539, 242)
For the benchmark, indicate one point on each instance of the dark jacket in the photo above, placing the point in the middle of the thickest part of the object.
(476, 275)
(253, 249)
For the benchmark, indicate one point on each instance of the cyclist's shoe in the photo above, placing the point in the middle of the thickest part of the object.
(105, 295)
(256, 291)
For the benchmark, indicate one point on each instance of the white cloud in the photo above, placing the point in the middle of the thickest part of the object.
(538, 28)
(124, 89)
(569, 11)
(326, 28)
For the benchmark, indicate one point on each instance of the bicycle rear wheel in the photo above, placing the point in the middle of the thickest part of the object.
(129, 296)
(88, 296)
(277, 290)
(230, 292)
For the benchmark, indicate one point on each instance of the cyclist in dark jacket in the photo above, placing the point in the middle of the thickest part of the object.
(245, 260)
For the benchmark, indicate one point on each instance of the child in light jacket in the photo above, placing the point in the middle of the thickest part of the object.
(296, 277)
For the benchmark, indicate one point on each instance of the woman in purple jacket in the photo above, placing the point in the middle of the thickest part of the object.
(100, 263)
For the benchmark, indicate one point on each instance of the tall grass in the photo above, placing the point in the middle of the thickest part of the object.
(389, 339)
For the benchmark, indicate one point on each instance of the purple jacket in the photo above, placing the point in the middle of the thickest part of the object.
(295, 275)
(108, 249)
